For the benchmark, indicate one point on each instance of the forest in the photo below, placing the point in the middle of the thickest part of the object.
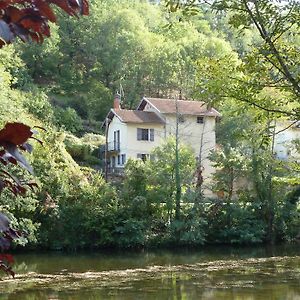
(66, 86)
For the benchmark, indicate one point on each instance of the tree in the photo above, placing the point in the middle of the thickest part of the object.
(12, 139)
(29, 19)
(253, 181)
(162, 183)
(26, 20)
(272, 63)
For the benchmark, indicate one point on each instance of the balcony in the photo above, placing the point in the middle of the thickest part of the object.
(113, 148)
(115, 171)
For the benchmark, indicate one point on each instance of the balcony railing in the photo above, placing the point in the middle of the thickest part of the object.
(113, 146)
(115, 171)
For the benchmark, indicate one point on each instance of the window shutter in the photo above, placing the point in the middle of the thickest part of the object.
(139, 134)
(152, 135)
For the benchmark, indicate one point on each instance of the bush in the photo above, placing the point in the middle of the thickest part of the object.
(85, 149)
(68, 119)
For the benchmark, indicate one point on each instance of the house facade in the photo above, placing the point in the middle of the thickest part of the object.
(287, 132)
(135, 133)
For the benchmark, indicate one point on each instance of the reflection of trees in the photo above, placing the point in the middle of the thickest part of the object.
(213, 273)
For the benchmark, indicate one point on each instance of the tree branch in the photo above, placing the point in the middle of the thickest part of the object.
(286, 113)
(264, 34)
(284, 129)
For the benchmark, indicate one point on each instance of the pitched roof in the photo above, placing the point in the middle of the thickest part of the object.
(137, 116)
(168, 106)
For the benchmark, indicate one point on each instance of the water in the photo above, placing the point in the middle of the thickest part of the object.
(212, 273)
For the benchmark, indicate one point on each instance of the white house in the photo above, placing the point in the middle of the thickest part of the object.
(134, 133)
(287, 133)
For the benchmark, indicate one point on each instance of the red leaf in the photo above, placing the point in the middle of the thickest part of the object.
(37, 37)
(85, 8)
(4, 4)
(46, 10)
(29, 18)
(15, 133)
(34, 23)
(7, 257)
(15, 14)
(64, 5)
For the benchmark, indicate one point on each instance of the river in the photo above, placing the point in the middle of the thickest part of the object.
(218, 272)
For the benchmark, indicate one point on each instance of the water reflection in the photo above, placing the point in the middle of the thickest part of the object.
(212, 273)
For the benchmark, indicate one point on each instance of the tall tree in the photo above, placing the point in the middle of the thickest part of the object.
(273, 62)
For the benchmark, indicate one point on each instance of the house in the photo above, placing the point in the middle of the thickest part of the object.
(134, 133)
(287, 132)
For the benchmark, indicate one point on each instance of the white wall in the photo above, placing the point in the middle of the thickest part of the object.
(135, 146)
(201, 137)
(283, 141)
(129, 145)
(115, 125)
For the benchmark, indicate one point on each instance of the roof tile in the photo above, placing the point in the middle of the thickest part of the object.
(137, 116)
(187, 107)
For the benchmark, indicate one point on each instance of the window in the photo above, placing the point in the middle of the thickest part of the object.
(142, 156)
(145, 134)
(113, 162)
(119, 159)
(200, 120)
(181, 119)
(117, 140)
(123, 159)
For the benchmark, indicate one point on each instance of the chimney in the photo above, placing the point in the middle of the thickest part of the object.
(117, 101)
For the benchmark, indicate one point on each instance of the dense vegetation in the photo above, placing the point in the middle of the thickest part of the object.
(66, 85)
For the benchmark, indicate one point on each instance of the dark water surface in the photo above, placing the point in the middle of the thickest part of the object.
(219, 272)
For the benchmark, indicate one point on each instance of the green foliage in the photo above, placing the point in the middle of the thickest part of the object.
(149, 196)
(163, 162)
(68, 119)
(254, 184)
(79, 69)
(121, 43)
(37, 103)
(192, 226)
(84, 149)
(235, 223)
(231, 166)
(271, 62)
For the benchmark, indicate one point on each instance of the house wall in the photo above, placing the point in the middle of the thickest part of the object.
(283, 146)
(115, 125)
(129, 145)
(201, 137)
(145, 147)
